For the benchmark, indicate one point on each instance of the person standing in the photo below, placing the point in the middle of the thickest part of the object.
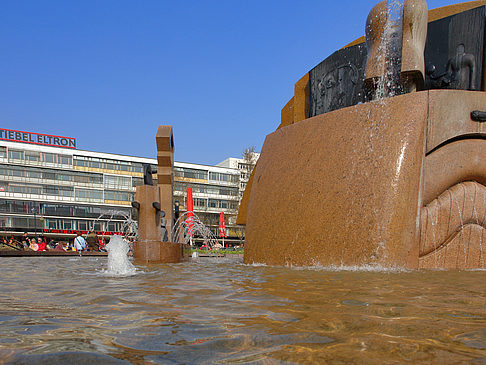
(41, 244)
(92, 240)
(25, 241)
(80, 242)
(33, 245)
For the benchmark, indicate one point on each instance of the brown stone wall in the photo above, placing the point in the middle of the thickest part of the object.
(301, 99)
(148, 220)
(287, 114)
(157, 252)
(297, 107)
(341, 188)
(450, 115)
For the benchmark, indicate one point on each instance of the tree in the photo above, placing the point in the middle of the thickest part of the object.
(250, 157)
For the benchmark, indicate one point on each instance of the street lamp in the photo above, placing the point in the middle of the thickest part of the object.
(35, 224)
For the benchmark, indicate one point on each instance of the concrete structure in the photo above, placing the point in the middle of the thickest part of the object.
(395, 182)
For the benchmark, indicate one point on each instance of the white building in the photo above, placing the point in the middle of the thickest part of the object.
(50, 187)
(245, 168)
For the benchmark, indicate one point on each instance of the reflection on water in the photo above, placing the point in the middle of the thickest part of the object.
(65, 310)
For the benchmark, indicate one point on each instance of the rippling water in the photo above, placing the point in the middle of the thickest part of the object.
(209, 310)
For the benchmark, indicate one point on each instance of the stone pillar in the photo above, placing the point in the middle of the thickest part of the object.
(165, 160)
(150, 201)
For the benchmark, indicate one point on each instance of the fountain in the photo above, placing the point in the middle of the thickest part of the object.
(118, 262)
(154, 205)
(128, 228)
(198, 227)
(379, 159)
(61, 310)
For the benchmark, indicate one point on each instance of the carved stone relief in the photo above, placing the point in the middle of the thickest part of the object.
(337, 82)
(454, 51)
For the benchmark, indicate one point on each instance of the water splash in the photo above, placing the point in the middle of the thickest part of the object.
(340, 268)
(129, 227)
(199, 228)
(389, 85)
(118, 262)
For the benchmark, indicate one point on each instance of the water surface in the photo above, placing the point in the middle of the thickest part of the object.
(209, 310)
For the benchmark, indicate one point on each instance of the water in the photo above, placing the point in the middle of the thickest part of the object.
(206, 311)
(390, 52)
(118, 262)
(199, 228)
(128, 228)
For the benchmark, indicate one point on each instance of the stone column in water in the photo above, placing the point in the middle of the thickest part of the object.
(165, 176)
(151, 201)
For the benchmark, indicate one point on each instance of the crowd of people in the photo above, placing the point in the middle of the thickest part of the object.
(40, 243)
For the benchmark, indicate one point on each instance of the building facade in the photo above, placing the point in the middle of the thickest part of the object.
(244, 166)
(49, 187)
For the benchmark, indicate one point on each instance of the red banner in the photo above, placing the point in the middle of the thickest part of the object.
(222, 226)
(190, 213)
(74, 232)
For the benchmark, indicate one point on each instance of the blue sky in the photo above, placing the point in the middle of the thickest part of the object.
(108, 72)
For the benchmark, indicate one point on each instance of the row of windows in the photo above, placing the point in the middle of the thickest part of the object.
(222, 204)
(60, 216)
(50, 174)
(202, 203)
(108, 164)
(205, 175)
(82, 225)
(119, 195)
(110, 182)
(206, 189)
(34, 156)
(28, 223)
(96, 195)
(218, 176)
(58, 209)
(67, 160)
(118, 182)
(190, 173)
(80, 194)
(89, 195)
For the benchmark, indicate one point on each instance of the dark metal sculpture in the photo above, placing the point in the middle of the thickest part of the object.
(337, 82)
(478, 116)
(453, 57)
(147, 174)
(454, 51)
(163, 227)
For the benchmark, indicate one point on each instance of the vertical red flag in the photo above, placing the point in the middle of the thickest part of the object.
(222, 227)
(190, 213)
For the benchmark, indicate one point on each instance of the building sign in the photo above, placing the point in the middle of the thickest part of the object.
(37, 138)
(74, 232)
